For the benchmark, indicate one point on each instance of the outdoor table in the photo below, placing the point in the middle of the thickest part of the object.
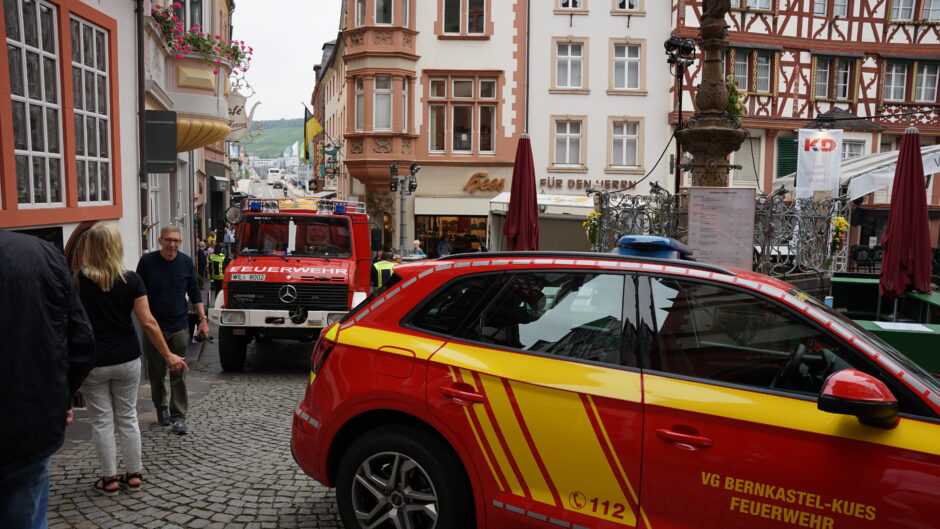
(857, 297)
(918, 341)
(926, 306)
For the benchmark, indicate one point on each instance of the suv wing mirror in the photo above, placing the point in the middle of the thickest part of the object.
(852, 392)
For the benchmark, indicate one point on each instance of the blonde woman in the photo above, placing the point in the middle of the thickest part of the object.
(110, 293)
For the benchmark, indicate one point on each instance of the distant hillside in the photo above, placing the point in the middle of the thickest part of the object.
(278, 135)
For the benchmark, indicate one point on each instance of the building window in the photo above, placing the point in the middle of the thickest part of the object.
(895, 81)
(382, 109)
(820, 7)
(468, 112)
(765, 5)
(624, 137)
(840, 8)
(568, 143)
(405, 104)
(571, 4)
(568, 65)
(405, 13)
(626, 5)
(932, 11)
(360, 108)
(32, 52)
(190, 12)
(925, 85)
(360, 12)
(902, 10)
(91, 114)
(833, 79)
(626, 67)
(464, 17)
(383, 12)
(753, 71)
(852, 149)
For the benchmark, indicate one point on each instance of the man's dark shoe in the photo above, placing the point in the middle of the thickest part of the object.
(180, 428)
(163, 416)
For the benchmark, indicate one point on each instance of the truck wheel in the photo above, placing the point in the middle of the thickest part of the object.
(400, 476)
(232, 350)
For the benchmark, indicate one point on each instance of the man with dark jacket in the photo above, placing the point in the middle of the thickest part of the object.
(48, 349)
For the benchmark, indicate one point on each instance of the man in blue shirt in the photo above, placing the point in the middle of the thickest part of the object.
(170, 275)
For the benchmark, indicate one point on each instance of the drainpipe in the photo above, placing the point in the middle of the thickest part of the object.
(143, 194)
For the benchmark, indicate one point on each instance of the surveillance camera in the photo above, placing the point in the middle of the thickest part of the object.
(414, 169)
(393, 167)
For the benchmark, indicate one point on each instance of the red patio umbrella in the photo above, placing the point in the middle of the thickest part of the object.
(522, 221)
(906, 241)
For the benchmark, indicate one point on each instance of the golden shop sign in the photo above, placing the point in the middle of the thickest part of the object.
(482, 182)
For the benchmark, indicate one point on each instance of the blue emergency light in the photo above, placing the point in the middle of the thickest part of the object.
(651, 246)
(339, 208)
(254, 206)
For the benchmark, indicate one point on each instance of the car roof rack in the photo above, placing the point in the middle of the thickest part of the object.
(589, 255)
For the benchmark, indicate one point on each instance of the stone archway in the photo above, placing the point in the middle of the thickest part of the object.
(381, 209)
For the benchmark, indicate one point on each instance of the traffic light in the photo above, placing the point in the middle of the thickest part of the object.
(393, 185)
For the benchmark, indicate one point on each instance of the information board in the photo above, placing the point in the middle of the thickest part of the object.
(721, 225)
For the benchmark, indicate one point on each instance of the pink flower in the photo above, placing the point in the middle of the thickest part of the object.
(179, 56)
(218, 60)
(177, 5)
(218, 37)
(215, 71)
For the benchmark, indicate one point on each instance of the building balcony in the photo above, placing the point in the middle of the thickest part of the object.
(191, 86)
(369, 153)
(380, 41)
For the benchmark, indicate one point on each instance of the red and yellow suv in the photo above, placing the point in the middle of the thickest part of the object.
(576, 391)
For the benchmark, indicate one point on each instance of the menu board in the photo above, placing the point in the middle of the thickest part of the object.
(721, 225)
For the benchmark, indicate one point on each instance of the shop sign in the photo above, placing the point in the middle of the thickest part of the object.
(583, 183)
(482, 182)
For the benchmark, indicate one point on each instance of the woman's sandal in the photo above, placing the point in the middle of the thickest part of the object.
(103, 483)
(132, 486)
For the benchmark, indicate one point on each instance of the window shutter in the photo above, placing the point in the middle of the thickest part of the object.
(786, 156)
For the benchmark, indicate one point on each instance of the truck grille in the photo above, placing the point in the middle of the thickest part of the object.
(267, 296)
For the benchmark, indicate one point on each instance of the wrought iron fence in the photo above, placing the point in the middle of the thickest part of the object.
(790, 235)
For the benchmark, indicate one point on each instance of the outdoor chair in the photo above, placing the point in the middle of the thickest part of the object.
(878, 253)
(863, 257)
(936, 262)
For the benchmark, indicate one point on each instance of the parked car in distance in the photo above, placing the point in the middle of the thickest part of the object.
(575, 390)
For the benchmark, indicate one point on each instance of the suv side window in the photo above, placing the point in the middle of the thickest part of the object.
(568, 314)
(723, 334)
(449, 306)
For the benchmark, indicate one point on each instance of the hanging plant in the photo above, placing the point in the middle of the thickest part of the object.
(213, 48)
(592, 224)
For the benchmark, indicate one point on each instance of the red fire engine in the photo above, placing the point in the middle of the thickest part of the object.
(298, 266)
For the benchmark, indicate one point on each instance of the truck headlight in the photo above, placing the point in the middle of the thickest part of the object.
(334, 317)
(233, 317)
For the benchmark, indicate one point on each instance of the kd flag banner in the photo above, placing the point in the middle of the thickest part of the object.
(819, 161)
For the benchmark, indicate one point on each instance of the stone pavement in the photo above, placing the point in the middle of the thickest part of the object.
(233, 470)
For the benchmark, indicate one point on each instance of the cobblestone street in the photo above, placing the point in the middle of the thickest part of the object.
(234, 469)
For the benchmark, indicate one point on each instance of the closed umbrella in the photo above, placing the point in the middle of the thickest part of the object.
(522, 220)
(906, 242)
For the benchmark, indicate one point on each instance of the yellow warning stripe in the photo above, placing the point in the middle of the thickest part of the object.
(476, 435)
(783, 412)
(489, 433)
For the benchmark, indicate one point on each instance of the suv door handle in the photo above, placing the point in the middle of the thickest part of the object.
(683, 440)
(462, 394)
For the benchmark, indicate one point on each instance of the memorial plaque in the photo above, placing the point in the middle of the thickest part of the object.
(721, 225)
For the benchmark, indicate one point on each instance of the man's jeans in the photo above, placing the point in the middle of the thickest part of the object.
(24, 497)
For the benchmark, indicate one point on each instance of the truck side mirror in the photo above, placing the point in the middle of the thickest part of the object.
(852, 392)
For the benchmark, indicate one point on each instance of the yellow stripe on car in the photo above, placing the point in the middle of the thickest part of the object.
(476, 435)
(783, 412)
(584, 477)
(370, 338)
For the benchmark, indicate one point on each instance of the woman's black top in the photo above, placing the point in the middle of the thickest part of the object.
(110, 314)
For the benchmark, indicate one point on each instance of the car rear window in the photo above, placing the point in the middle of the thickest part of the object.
(447, 309)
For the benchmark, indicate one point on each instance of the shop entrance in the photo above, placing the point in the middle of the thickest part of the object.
(461, 233)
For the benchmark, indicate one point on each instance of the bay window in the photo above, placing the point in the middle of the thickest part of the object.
(463, 114)
(190, 13)
(383, 12)
(360, 109)
(382, 107)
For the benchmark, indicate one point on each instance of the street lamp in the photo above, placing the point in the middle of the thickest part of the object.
(404, 185)
(681, 52)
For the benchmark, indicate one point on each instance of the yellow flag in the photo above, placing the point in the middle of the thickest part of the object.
(312, 127)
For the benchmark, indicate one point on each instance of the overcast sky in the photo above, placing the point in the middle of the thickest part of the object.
(287, 37)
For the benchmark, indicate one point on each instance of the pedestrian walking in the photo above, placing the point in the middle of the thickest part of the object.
(443, 247)
(202, 263)
(48, 349)
(169, 276)
(417, 250)
(229, 239)
(382, 270)
(110, 294)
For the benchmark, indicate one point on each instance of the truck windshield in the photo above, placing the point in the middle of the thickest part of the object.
(295, 235)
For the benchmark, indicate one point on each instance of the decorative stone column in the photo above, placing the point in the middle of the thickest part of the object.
(711, 135)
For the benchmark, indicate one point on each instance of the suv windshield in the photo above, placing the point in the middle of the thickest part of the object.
(295, 235)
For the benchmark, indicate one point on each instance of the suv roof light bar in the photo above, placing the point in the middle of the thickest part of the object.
(590, 255)
(321, 205)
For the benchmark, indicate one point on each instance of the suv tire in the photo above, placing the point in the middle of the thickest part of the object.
(420, 462)
(232, 350)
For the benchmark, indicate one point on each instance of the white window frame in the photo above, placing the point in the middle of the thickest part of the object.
(432, 126)
(386, 95)
(480, 127)
(469, 81)
(32, 155)
(625, 138)
(568, 137)
(852, 149)
(932, 10)
(86, 115)
(843, 90)
(820, 7)
(895, 72)
(405, 13)
(626, 60)
(391, 13)
(360, 16)
(568, 59)
(742, 61)
(495, 88)
(840, 8)
(185, 13)
(759, 78)
(574, 5)
(453, 133)
(405, 103)
(822, 73)
(431, 83)
(899, 7)
(466, 24)
(764, 5)
(360, 102)
(461, 23)
(628, 5)
(926, 82)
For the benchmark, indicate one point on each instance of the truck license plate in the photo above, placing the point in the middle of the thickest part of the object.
(248, 277)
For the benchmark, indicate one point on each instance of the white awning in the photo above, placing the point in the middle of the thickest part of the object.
(865, 174)
(549, 204)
